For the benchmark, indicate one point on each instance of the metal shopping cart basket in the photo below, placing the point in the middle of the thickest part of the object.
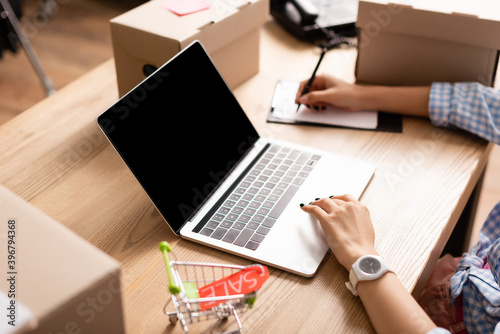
(187, 280)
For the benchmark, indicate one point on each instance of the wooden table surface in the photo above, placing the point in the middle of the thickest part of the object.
(54, 156)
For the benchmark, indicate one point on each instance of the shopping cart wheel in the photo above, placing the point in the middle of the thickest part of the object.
(173, 318)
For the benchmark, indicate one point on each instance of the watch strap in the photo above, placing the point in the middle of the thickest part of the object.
(352, 283)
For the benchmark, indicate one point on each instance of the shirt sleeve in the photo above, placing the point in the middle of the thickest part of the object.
(439, 330)
(466, 105)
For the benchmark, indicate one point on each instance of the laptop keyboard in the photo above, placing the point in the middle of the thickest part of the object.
(250, 211)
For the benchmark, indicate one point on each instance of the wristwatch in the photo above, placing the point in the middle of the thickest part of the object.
(366, 268)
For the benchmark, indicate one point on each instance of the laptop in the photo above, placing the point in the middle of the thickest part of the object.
(212, 177)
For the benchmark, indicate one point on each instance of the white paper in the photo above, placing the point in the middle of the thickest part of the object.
(284, 108)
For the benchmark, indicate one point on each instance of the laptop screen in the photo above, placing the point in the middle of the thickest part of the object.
(180, 132)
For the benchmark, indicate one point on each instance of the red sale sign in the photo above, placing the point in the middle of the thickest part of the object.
(245, 281)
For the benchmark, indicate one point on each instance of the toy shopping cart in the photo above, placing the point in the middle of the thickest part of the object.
(205, 291)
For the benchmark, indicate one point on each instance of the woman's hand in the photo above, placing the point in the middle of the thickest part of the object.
(347, 226)
(328, 90)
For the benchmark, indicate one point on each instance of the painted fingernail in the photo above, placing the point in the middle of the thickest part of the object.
(301, 204)
(317, 199)
(316, 108)
(331, 196)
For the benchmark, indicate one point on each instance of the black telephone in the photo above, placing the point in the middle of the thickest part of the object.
(314, 20)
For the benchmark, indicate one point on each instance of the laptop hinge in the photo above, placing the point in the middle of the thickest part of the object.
(228, 192)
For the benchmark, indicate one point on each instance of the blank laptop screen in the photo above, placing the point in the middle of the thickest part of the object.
(180, 132)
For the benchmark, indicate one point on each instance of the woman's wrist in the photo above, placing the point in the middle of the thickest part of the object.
(372, 97)
(355, 255)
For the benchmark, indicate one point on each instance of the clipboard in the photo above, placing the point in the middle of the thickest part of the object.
(284, 110)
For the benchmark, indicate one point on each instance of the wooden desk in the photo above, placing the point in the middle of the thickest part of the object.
(54, 156)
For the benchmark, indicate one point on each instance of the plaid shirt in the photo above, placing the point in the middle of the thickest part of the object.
(474, 108)
(469, 106)
(479, 286)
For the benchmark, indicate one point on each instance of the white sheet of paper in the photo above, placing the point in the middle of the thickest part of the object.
(284, 107)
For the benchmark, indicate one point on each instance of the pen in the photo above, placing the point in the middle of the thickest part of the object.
(309, 83)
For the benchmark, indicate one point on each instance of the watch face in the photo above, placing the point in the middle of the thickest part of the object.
(370, 265)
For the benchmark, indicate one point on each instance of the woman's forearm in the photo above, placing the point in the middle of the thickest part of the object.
(391, 308)
(404, 100)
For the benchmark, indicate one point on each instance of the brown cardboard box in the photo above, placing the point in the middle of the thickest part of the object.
(151, 34)
(55, 280)
(424, 41)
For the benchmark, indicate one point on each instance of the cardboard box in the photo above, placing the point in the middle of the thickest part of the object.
(424, 41)
(151, 34)
(54, 281)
